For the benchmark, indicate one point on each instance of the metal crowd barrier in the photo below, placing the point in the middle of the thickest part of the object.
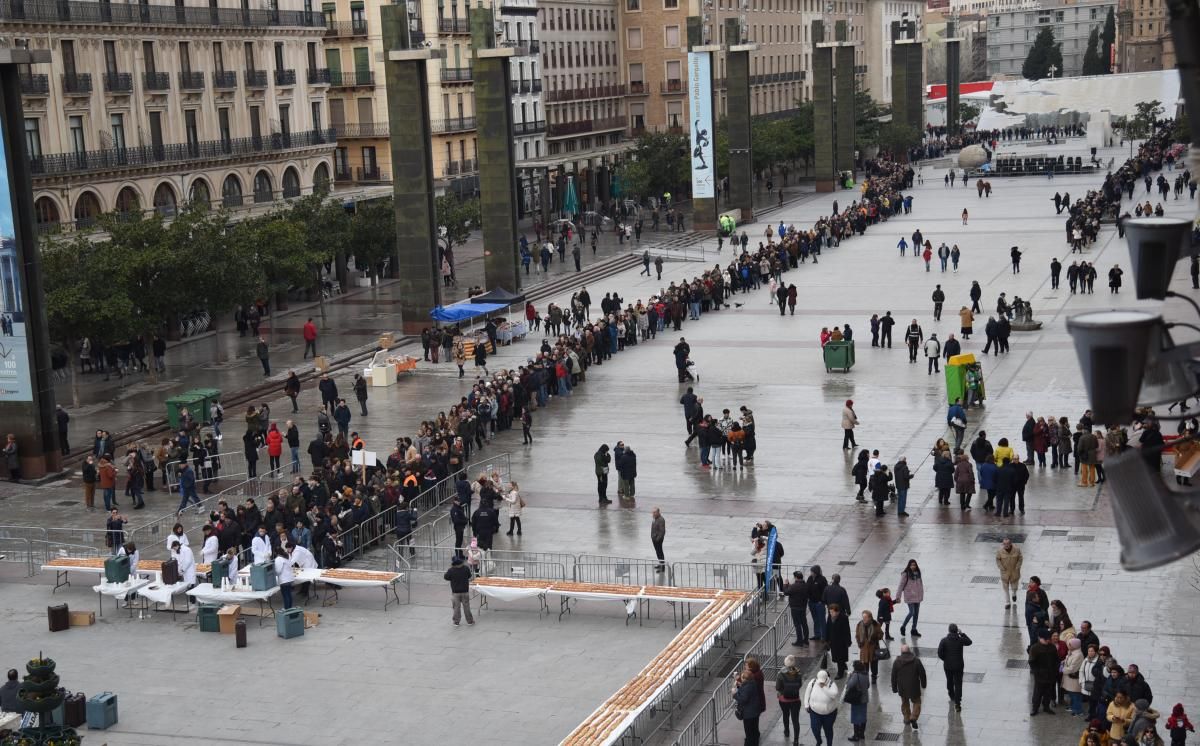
(621, 571)
(232, 464)
(18, 549)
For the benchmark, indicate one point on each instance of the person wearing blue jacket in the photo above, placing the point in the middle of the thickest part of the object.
(987, 480)
(956, 418)
(187, 487)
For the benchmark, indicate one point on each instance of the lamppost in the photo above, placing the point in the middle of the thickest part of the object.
(1052, 69)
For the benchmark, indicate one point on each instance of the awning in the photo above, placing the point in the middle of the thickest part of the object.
(464, 311)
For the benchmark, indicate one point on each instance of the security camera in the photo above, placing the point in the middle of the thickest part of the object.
(1155, 246)
(1113, 347)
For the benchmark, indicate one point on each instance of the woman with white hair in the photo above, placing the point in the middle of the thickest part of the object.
(788, 690)
(821, 702)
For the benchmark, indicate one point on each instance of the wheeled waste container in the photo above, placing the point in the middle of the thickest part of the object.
(838, 355)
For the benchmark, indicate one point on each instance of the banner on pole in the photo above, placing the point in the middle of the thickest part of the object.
(702, 133)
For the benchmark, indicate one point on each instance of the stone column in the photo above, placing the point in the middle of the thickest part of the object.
(497, 161)
(953, 78)
(416, 252)
(737, 120)
(823, 124)
(704, 206)
(26, 377)
(844, 84)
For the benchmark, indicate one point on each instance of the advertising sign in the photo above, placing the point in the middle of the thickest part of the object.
(15, 381)
(700, 102)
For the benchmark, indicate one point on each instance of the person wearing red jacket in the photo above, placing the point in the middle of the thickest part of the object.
(310, 338)
(274, 446)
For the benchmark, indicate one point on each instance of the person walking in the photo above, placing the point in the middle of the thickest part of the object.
(1015, 255)
(964, 481)
(933, 354)
(913, 337)
(310, 338)
(788, 690)
(956, 418)
(849, 422)
(658, 532)
(264, 356)
(911, 591)
(868, 633)
(950, 652)
(601, 460)
(938, 297)
(797, 596)
(646, 263)
(908, 681)
(1008, 562)
(885, 328)
(820, 701)
(360, 392)
(459, 577)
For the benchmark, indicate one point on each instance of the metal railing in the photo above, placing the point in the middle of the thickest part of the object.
(191, 81)
(454, 25)
(351, 78)
(585, 125)
(255, 78)
(318, 76)
(85, 11)
(453, 124)
(285, 77)
(76, 83)
(529, 128)
(156, 81)
(457, 74)
(362, 129)
(224, 79)
(35, 84)
(17, 549)
(548, 566)
(621, 571)
(356, 27)
(118, 82)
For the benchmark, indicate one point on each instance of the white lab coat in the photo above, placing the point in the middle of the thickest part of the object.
(133, 560)
(260, 548)
(187, 564)
(210, 551)
(303, 558)
(233, 570)
(283, 570)
(181, 538)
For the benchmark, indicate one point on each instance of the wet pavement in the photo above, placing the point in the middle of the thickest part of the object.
(750, 355)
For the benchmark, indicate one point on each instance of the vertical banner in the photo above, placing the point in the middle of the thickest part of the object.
(700, 104)
(15, 375)
(772, 540)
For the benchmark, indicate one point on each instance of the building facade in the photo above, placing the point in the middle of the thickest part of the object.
(148, 106)
(521, 29)
(878, 49)
(1011, 34)
(1144, 41)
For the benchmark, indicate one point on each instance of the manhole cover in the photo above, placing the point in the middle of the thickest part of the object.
(986, 579)
(1017, 663)
(848, 563)
(887, 736)
(1089, 566)
(1054, 532)
(1081, 538)
(999, 537)
(67, 503)
(972, 678)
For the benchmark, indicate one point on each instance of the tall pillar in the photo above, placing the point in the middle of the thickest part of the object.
(497, 161)
(823, 129)
(845, 75)
(953, 78)
(915, 82)
(416, 251)
(908, 77)
(737, 120)
(701, 130)
(26, 380)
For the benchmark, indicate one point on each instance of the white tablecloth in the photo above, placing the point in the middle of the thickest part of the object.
(206, 593)
(10, 720)
(161, 594)
(506, 593)
(64, 568)
(303, 575)
(120, 590)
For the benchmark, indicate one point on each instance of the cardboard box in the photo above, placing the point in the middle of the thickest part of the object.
(387, 340)
(320, 364)
(83, 618)
(227, 617)
(311, 619)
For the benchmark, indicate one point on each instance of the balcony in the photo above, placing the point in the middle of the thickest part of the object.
(318, 76)
(459, 168)
(189, 81)
(33, 84)
(637, 88)
(457, 74)
(285, 77)
(144, 156)
(118, 82)
(370, 130)
(77, 84)
(372, 173)
(255, 78)
(56, 12)
(156, 81)
(346, 29)
(351, 78)
(342, 173)
(224, 80)
(529, 128)
(583, 126)
(671, 87)
(535, 46)
(537, 86)
(576, 94)
(459, 124)
(454, 26)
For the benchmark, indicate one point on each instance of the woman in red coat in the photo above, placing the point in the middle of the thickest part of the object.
(274, 446)
(1041, 439)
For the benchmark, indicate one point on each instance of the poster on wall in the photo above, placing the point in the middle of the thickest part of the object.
(15, 379)
(701, 135)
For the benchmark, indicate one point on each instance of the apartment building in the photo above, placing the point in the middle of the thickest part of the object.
(149, 105)
(1144, 37)
(353, 44)
(878, 49)
(519, 28)
(1011, 33)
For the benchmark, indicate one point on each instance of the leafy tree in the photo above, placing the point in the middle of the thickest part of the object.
(1108, 37)
(1043, 54)
(1092, 64)
(327, 229)
(372, 238)
(668, 167)
(280, 248)
(866, 119)
(721, 147)
(635, 177)
(456, 218)
(967, 112)
(86, 296)
(897, 137)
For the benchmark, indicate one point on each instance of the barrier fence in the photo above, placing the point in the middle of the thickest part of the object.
(226, 466)
(17, 550)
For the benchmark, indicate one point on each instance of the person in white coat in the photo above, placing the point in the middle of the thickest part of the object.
(304, 559)
(260, 547)
(515, 505)
(177, 535)
(933, 353)
(211, 547)
(285, 575)
(187, 562)
(231, 556)
(129, 548)
(821, 702)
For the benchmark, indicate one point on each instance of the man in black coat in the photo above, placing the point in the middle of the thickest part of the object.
(992, 331)
(688, 400)
(797, 595)
(1134, 685)
(879, 490)
(837, 635)
(885, 328)
(835, 593)
(458, 519)
(1020, 479)
(1043, 663)
(1005, 490)
(950, 652)
(485, 522)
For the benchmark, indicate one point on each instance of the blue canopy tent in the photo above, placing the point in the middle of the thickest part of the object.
(464, 311)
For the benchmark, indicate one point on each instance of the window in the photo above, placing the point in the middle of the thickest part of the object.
(636, 82)
(117, 125)
(637, 116)
(223, 126)
(370, 164)
(312, 55)
(248, 47)
(285, 120)
(193, 131)
(316, 115)
(674, 71)
(672, 37)
(675, 114)
(110, 58)
(218, 57)
(185, 57)
(671, 4)
(279, 55)
(633, 38)
(33, 138)
(148, 57)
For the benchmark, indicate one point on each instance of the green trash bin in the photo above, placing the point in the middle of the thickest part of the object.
(191, 401)
(838, 355)
(209, 396)
(206, 615)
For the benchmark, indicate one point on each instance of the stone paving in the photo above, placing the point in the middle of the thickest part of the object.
(800, 479)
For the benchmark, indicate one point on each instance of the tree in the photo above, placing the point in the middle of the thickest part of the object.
(1044, 54)
(866, 119)
(326, 228)
(1092, 64)
(667, 162)
(635, 179)
(372, 238)
(456, 218)
(897, 137)
(1108, 37)
(280, 248)
(967, 112)
(1141, 124)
